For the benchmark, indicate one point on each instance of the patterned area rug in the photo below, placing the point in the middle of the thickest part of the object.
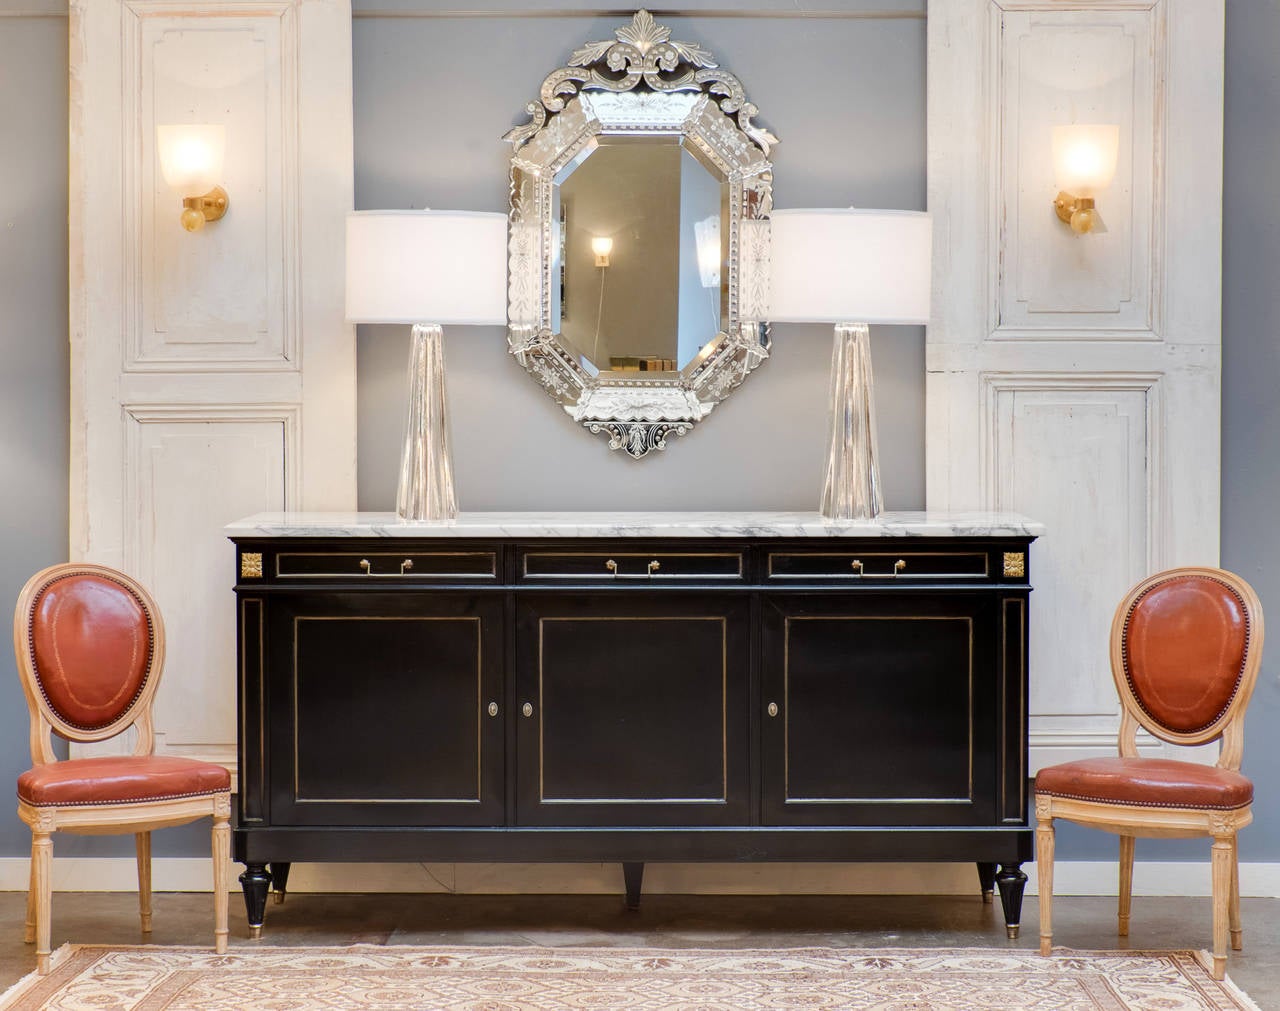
(377, 978)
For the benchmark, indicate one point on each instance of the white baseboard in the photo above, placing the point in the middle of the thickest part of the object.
(193, 874)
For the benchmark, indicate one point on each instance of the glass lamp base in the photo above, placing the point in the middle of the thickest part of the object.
(852, 488)
(426, 468)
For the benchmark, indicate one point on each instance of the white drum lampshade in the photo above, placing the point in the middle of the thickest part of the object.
(427, 268)
(437, 267)
(851, 268)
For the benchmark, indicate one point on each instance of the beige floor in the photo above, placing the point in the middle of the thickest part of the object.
(671, 921)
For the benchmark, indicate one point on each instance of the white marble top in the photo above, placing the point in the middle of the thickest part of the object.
(636, 524)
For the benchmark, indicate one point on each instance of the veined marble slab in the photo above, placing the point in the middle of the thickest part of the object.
(636, 524)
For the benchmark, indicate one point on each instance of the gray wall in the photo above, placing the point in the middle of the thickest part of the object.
(513, 449)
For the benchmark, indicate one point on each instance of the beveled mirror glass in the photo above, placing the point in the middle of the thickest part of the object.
(639, 241)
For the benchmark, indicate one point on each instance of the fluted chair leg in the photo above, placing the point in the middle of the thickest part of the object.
(1126, 883)
(29, 932)
(1233, 912)
(1044, 871)
(142, 842)
(1222, 846)
(221, 854)
(42, 885)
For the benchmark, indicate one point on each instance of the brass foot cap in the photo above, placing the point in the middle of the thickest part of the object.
(988, 898)
(1012, 931)
(255, 933)
(278, 897)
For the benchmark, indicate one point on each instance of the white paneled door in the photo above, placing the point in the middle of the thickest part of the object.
(1076, 378)
(212, 373)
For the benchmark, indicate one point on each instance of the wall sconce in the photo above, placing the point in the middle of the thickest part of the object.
(602, 246)
(1084, 162)
(191, 158)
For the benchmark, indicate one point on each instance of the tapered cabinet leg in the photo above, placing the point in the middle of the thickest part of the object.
(1126, 883)
(1233, 913)
(632, 876)
(1222, 847)
(279, 881)
(142, 843)
(1044, 872)
(255, 881)
(221, 855)
(29, 933)
(987, 879)
(42, 883)
(1012, 882)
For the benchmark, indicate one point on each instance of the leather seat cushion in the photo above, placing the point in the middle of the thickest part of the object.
(120, 780)
(1147, 782)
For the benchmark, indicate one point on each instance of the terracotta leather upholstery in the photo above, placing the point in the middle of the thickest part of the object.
(91, 646)
(1147, 782)
(1184, 650)
(120, 780)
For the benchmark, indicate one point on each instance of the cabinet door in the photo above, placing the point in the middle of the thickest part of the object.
(632, 709)
(879, 708)
(380, 709)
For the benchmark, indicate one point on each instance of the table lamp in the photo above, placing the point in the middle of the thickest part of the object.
(851, 267)
(427, 268)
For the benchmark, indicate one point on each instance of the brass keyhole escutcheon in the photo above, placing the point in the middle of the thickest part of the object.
(773, 709)
(493, 709)
(527, 709)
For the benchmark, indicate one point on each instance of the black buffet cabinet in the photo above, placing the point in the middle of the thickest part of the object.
(631, 700)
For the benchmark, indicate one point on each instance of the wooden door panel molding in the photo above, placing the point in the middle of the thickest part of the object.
(226, 299)
(212, 373)
(1076, 379)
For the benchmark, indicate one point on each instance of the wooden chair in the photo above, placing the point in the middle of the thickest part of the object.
(1185, 648)
(90, 650)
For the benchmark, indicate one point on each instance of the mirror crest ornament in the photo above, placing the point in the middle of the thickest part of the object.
(630, 103)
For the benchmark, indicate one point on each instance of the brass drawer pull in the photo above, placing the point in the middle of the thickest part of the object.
(612, 566)
(366, 566)
(406, 565)
(773, 709)
(899, 566)
(493, 709)
(527, 709)
(857, 566)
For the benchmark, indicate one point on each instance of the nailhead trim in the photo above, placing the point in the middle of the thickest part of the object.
(1124, 653)
(134, 800)
(31, 647)
(1144, 803)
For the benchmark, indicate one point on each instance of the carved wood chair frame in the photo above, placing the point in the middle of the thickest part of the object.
(138, 818)
(1130, 821)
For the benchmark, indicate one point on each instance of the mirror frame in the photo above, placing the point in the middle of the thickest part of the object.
(640, 82)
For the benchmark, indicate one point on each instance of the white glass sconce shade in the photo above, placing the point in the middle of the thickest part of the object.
(192, 156)
(1084, 157)
(851, 267)
(426, 268)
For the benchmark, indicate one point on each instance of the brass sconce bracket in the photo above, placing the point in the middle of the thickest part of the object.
(1078, 212)
(199, 210)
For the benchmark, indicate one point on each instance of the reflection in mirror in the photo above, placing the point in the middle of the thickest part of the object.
(653, 298)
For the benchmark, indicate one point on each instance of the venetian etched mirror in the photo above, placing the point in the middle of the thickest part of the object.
(639, 239)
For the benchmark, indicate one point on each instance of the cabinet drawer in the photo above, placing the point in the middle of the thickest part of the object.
(877, 566)
(394, 566)
(631, 566)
